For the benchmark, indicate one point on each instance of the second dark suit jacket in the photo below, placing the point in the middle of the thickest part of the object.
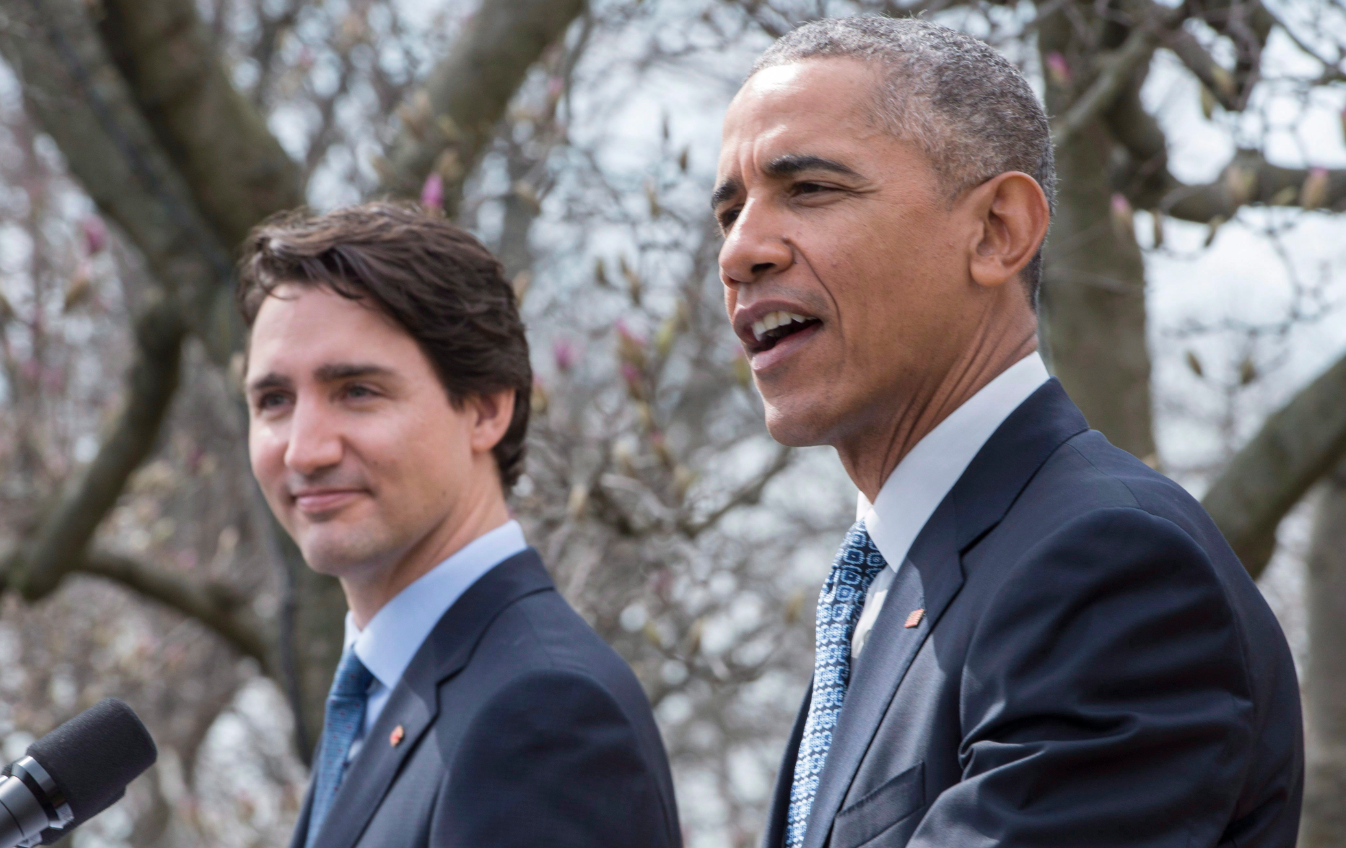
(519, 727)
(1094, 668)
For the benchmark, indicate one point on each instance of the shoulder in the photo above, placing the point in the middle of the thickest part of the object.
(538, 645)
(1090, 490)
(1102, 551)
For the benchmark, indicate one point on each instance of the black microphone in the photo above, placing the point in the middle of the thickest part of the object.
(72, 774)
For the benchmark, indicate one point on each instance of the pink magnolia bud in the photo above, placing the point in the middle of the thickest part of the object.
(1313, 193)
(627, 335)
(565, 354)
(1123, 218)
(432, 193)
(1058, 68)
(95, 234)
(630, 373)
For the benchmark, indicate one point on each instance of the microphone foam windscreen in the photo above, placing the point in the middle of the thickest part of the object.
(94, 755)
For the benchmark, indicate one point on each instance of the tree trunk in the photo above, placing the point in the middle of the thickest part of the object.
(1093, 288)
(1324, 823)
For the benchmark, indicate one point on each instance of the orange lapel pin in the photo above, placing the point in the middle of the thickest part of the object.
(915, 618)
(395, 738)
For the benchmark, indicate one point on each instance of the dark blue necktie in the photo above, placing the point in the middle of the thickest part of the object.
(839, 605)
(345, 717)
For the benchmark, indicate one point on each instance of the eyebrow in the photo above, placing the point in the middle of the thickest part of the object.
(270, 381)
(324, 374)
(793, 163)
(349, 370)
(783, 166)
(723, 192)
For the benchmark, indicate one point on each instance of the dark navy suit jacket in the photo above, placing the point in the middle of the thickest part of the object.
(1094, 668)
(519, 727)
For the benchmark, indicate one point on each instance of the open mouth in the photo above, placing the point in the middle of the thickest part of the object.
(774, 326)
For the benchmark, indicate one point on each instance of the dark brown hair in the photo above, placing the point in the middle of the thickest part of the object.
(434, 279)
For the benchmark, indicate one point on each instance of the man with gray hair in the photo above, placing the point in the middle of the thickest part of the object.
(1029, 637)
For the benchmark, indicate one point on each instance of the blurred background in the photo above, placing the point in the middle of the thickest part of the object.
(1192, 305)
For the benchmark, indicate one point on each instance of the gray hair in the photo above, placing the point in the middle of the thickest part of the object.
(966, 107)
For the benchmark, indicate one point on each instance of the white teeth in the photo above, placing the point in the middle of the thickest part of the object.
(772, 320)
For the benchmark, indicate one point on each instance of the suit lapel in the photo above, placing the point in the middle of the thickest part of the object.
(928, 580)
(780, 796)
(300, 835)
(414, 701)
(370, 774)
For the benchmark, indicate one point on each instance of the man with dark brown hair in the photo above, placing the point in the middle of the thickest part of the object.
(388, 384)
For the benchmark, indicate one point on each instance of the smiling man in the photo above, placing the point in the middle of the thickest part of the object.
(388, 383)
(1029, 637)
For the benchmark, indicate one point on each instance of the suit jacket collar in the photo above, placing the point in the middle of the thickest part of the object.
(414, 702)
(930, 578)
(1010, 458)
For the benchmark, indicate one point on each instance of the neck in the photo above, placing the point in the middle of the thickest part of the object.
(477, 516)
(869, 454)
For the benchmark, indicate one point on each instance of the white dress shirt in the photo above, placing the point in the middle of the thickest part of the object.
(392, 637)
(926, 474)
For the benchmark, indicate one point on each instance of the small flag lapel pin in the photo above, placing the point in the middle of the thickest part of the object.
(395, 738)
(915, 617)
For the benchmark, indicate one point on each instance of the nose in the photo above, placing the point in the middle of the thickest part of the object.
(755, 246)
(315, 441)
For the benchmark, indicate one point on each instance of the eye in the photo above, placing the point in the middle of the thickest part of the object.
(810, 188)
(727, 219)
(270, 400)
(358, 391)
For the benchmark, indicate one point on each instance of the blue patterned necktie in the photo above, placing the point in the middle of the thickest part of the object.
(345, 717)
(839, 605)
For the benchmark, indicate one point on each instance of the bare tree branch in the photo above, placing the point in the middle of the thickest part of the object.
(1325, 670)
(448, 124)
(1249, 178)
(1117, 69)
(1248, 24)
(236, 170)
(218, 607)
(1218, 81)
(75, 91)
(60, 541)
(749, 494)
(1295, 448)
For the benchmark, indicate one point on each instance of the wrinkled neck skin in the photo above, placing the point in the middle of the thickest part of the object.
(869, 453)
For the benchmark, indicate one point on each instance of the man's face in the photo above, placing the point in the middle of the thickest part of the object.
(352, 436)
(839, 237)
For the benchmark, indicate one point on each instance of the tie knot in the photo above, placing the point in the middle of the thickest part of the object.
(352, 678)
(860, 552)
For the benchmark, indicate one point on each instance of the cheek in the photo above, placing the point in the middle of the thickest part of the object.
(266, 453)
(418, 452)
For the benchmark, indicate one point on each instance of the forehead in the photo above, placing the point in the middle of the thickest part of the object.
(827, 101)
(298, 325)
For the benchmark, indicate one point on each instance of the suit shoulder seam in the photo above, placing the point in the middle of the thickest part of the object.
(1129, 491)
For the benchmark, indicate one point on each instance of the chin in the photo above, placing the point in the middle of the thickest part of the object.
(793, 426)
(338, 554)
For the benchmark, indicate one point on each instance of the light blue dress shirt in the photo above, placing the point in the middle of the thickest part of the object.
(392, 637)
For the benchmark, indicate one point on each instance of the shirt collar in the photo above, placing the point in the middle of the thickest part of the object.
(926, 474)
(393, 636)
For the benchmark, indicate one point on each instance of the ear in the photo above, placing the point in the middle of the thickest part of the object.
(1011, 216)
(491, 417)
